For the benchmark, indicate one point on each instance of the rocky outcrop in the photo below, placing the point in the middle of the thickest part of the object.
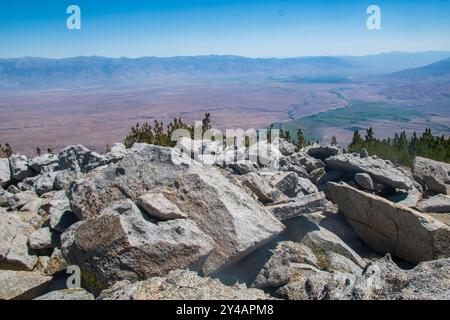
(376, 168)
(390, 228)
(42, 162)
(22, 285)
(364, 180)
(435, 175)
(235, 222)
(180, 285)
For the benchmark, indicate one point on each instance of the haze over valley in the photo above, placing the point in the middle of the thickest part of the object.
(94, 101)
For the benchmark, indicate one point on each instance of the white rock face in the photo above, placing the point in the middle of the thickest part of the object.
(42, 239)
(5, 172)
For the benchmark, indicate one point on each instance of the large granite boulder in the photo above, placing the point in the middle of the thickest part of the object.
(435, 175)
(390, 228)
(236, 223)
(379, 170)
(122, 243)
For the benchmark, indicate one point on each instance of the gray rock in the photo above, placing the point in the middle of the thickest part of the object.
(331, 175)
(435, 175)
(378, 170)
(384, 280)
(236, 222)
(13, 243)
(261, 188)
(304, 205)
(408, 198)
(304, 160)
(78, 156)
(121, 244)
(118, 152)
(437, 204)
(364, 154)
(64, 179)
(41, 184)
(298, 252)
(157, 206)
(5, 172)
(4, 197)
(67, 294)
(43, 239)
(42, 161)
(364, 180)
(305, 186)
(300, 171)
(55, 263)
(275, 273)
(18, 200)
(286, 182)
(61, 215)
(390, 228)
(21, 285)
(19, 167)
(316, 174)
(180, 285)
(18, 256)
(322, 152)
(244, 166)
(286, 148)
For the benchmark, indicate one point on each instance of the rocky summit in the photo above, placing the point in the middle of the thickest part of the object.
(150, 223)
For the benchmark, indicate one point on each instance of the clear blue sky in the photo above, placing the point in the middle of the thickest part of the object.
(282, 28)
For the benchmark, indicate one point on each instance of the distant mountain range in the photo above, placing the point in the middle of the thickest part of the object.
(39, 73)
(436, 71)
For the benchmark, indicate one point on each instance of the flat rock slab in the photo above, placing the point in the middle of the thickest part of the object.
(22, 285)
(390, 228)
(180, 285)
(379, 170)
(436, 204)
(304, 205)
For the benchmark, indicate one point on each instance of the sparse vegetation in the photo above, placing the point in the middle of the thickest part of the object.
(6, 150)
(402, 149)
(160, 134)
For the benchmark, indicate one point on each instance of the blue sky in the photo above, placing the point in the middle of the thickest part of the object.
(282, 28)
